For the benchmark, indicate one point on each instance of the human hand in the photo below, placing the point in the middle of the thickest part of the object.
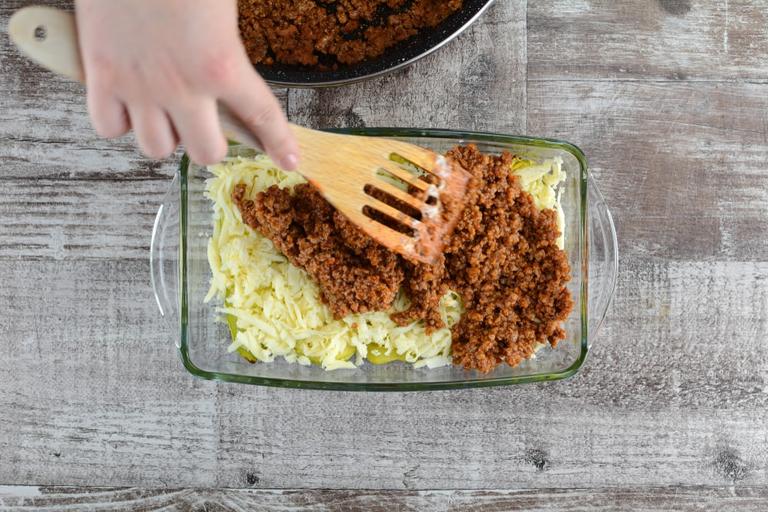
(160, 67)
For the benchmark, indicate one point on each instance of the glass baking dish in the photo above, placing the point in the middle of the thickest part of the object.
(180, 279)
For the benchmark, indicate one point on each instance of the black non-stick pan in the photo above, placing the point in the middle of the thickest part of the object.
(396, 57)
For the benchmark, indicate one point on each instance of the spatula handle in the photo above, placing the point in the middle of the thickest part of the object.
(48, 36)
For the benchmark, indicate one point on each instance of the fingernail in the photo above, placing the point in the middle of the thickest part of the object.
(290, 161)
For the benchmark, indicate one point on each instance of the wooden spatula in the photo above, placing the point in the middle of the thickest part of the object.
(358, 175)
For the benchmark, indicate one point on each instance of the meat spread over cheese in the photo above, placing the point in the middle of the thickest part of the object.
(502, 259)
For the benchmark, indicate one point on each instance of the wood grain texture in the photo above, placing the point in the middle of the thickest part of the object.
(682, 165)
(72, 219)
(670, 411)
(648, 39)
(95, 395)
(92, 384)
(701, 499)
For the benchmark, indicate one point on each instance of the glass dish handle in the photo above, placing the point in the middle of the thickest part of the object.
(603, 259)
(164, 253)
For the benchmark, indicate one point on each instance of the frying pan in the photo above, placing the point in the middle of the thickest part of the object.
(396, 57)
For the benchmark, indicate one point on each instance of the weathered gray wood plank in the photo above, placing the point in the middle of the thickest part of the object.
(475, 82)
(690, 155)
(674, 393)
(91, 380)
(73, 219)
(95, 395)
(664, 400)
(61, 499)
(682, 165)
(648, 39)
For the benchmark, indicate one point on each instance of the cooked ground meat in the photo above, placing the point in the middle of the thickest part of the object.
(326, 33)
(355, 274)
(502, 259)
(505, 263)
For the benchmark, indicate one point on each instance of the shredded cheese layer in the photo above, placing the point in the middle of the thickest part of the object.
(274, 309)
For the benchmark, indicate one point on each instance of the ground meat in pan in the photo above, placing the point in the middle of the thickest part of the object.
(327, 33)
(502, 259)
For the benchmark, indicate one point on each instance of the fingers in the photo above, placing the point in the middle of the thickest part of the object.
(253, 102)
(198, 128)
(153, 130)
(107, 113)
(160, 121)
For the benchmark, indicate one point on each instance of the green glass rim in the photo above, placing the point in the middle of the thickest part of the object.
(469, 136)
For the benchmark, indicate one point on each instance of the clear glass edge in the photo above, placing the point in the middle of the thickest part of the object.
(157, 275)
(425, 386)
(154, 264)
(608, 228)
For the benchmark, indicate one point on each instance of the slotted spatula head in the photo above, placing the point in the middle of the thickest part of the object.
(406, 197)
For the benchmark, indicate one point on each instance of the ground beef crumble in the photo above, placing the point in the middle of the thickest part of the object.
(327, 33)
(502, 260)
(355, 274)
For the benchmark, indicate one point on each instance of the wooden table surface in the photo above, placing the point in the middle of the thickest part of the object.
(669, 100)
